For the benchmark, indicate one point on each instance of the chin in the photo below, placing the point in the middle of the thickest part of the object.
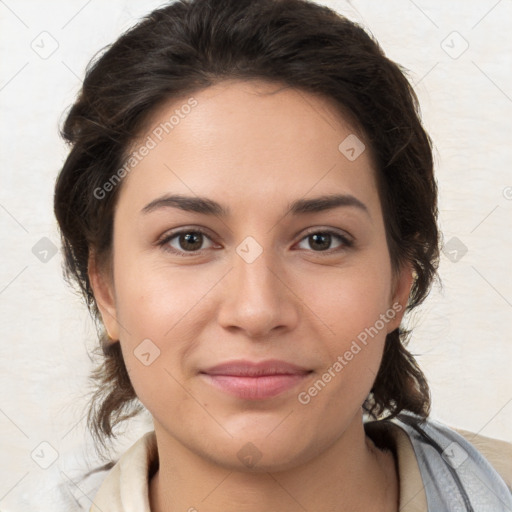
(250, 459)
(261, 453)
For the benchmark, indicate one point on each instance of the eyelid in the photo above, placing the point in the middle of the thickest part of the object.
(331, 231)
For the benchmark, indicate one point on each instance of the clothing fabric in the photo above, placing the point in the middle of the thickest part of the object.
(453, 474)
(439, 469)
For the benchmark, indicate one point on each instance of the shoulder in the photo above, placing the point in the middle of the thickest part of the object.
(455, 463)
(128, 480)
(448, 468)
(498, 453)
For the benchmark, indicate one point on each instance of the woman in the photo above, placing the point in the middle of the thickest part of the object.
(250, 208)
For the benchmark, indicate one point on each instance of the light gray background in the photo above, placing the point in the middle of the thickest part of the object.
(463, 333)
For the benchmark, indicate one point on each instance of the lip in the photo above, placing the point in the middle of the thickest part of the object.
(250, 380)
(244, 368)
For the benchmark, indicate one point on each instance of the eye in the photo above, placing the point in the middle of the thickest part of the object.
(186, 241)
(321, 241)
(190, 242)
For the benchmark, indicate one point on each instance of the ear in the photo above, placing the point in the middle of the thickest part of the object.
(402, 284)
(103, 288)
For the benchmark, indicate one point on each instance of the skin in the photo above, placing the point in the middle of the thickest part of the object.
(255, 148)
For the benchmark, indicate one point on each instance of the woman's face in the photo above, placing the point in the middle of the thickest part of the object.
(249, 231)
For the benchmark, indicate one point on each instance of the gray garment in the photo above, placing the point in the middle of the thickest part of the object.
(456, 476)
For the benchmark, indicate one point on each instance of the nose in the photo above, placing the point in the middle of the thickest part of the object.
(258, 299)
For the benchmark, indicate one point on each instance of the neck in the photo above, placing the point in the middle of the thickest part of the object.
(352, 474)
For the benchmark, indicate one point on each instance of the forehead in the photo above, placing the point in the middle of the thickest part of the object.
(252, 139)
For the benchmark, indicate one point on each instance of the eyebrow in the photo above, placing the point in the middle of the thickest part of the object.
(209, 207)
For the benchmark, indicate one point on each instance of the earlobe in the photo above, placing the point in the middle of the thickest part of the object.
(102, 287)
(400, 297)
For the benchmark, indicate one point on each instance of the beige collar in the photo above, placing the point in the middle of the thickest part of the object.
(126, 487)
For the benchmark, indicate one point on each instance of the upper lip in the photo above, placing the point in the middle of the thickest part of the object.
(245, 368)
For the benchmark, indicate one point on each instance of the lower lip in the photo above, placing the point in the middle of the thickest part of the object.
(255, 388)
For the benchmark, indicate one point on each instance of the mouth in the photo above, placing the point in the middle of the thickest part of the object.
(255, 380)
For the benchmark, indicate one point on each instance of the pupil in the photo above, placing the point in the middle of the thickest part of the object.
(323, 240)
(191, 241)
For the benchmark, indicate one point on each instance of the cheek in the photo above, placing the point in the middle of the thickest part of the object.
(351, 300)
(158, 319)
(354, 309)
(162, 311)
(155, 300)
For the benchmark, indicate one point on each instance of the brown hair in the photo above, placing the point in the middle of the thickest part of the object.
(189, 45)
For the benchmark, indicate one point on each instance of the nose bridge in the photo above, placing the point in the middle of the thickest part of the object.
(254, 271)
(255, 278)
(256, 300)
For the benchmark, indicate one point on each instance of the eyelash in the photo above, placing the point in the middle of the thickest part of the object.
(164, 242)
